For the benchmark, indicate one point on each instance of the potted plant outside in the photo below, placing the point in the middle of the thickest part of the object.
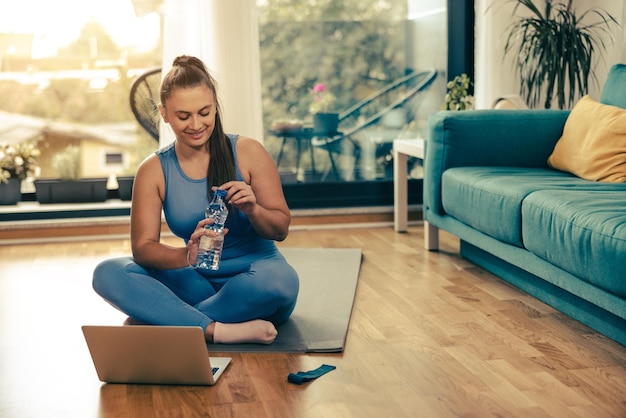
(70, 188)
(325, 121)
(125, 187)
(17, 162)
(554, 50)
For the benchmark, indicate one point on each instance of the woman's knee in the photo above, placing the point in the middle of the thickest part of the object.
(108, 274)
(268, 283)
(285, 285)
(286, 293)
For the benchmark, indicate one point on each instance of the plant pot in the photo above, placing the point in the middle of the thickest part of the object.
(325, 123)
(10, 192)
(71, 191)
(125, 187)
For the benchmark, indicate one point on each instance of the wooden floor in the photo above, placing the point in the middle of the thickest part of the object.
(431, 335)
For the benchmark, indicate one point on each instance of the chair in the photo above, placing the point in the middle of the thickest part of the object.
(144, 100)
(381, 108)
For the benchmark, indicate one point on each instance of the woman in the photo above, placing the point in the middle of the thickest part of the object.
(254, 289)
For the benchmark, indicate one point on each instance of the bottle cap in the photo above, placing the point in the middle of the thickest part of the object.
(220, 193)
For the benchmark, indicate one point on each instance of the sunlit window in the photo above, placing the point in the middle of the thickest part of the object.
(367, 57)
(66, 67)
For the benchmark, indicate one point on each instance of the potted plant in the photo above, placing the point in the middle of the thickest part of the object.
(458, 96)
(70, 188)
(554, 50)
(325, 121)
(17, 162)
(67, 163)
(125, 186)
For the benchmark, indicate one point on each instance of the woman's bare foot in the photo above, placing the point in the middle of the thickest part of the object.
(257, 331)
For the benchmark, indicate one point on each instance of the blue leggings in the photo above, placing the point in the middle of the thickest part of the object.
(265, 288)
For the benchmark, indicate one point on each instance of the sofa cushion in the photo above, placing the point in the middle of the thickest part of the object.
(593, 144)
(490, 198)
(582, 232)
(615, 86)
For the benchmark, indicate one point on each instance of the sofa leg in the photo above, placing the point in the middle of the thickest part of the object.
(431, 237)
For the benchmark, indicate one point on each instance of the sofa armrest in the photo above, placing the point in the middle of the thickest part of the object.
(505, 138)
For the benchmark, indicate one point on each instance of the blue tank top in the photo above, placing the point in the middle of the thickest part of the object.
(186, 200)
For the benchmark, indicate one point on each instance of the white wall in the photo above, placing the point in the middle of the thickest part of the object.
(495, 77)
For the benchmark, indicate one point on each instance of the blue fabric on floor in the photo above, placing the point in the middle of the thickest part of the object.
(304, 377)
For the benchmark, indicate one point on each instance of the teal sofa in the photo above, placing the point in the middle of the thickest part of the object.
(553, 235)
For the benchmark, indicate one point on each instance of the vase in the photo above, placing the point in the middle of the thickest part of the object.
(325, 123)
(10, 192)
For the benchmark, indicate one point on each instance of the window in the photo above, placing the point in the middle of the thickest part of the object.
(72, 75)
(357, 50)
(115, 158)
(66, 80)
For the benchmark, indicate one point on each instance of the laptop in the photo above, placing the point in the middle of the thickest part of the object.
(147, 354)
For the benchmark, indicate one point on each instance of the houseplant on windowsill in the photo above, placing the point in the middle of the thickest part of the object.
(325, 121)
(17, 162)
(70, 187)
(125, 186)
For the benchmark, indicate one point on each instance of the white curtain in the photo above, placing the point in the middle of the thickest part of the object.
(224, 34)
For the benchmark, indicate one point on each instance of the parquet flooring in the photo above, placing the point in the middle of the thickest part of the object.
(431, 335)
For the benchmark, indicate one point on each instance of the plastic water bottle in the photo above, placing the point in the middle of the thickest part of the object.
(210, 248)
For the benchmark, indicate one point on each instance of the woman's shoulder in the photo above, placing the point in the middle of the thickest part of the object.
(251, 156)
(246, 143)
(151, 164)
(166, 150)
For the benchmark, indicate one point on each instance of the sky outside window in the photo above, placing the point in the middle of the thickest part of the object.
(56, 24)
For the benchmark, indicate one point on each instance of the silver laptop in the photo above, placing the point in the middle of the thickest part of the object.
(152, 355)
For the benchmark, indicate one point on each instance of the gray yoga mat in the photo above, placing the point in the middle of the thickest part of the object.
(319, 323)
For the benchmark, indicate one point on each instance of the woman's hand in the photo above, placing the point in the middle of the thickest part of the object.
(240, 195)
(193, 244)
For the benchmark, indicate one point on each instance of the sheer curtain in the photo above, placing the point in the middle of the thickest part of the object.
(224, 34)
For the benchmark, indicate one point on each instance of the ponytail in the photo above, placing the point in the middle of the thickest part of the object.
(186, 72)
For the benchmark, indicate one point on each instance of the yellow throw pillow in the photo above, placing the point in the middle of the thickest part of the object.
(593, 144)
